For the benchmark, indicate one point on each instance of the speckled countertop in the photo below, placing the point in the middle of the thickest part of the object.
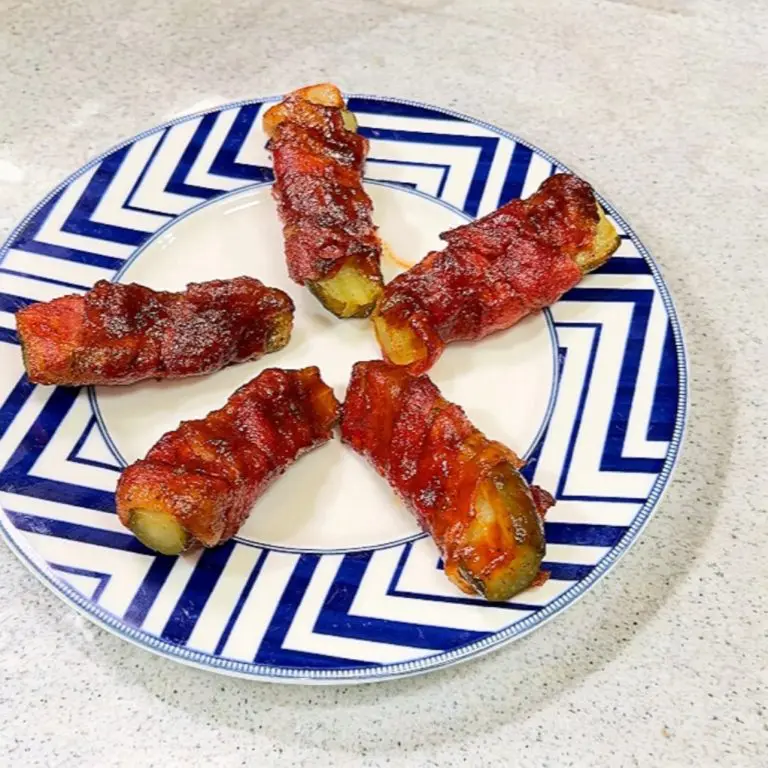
(663, 105)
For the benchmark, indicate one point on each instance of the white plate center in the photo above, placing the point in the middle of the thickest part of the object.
(329, 500)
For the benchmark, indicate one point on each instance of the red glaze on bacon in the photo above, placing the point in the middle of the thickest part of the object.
(120, 334)
(199, 482)
(494, 272)
(464, 489)
(330, 239)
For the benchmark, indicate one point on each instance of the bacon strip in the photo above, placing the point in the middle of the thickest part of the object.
(495, 271)
(330, 239)
(464, 489)
(120, 334)
(199, 482)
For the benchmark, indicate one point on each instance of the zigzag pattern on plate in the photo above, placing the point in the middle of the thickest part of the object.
(615, 415)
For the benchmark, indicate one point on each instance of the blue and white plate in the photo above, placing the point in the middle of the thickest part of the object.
(330, 579)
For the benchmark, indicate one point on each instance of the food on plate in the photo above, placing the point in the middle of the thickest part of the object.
(120, 334)
(465, 490)
(331, 244)
(494, 271)
(198, 483)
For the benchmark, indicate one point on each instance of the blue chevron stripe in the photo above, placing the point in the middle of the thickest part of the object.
(148, 590)
(335, 619)
(287, 658)
(177, 184)
(15, 476)
(597, 328)
(516, 174)
(25, 240)
(73, 454)
(620, 265)
(378, 107)
(584, 534)
(41, 432)
(271, 650)
(32, 226)
(199, 587)
(612, 458)
(103, 578)
(272, 644)
(409, 164)
(79, 220)
(662, 423)
(566, 571)
(11, 303)
(237, 610)
(55, 490)
(19, 482)
(486, 145)
(15, 401)
(46, 526)
(69, 254)
(128, 204)
(225, 163)
(46, 280)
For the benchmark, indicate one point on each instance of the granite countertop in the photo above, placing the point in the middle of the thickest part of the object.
(663, 105)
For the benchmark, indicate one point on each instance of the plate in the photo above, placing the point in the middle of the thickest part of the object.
(330, 579)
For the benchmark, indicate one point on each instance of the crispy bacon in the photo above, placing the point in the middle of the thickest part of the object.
(494, 272)
(464, 489)
(119, 334)
(330, 239)
(199, 482)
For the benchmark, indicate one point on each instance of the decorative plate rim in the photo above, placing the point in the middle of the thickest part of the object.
(266, 673)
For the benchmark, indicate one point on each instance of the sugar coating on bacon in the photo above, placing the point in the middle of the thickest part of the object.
(494, 271)
(331, 245)
(120, 334)
(465, 490)
(198, 483)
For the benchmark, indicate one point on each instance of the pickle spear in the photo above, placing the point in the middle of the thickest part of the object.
(494, 272)
(331, 245)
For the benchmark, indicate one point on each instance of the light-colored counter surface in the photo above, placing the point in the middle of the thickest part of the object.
(663, 105)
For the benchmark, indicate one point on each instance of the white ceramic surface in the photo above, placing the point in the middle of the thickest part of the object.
(330, 500)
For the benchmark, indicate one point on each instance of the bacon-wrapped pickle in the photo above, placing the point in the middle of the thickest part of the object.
(464, 489)
(331, 244)
(120, 334)
(198, 483)
(495, 271)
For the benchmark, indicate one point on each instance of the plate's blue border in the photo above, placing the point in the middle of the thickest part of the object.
(408, 668)
(93, 398)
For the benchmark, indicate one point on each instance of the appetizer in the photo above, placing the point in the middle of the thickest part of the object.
(495, 271)
(119, 334)
(466, 490)
(198, 483)
(331, 244)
